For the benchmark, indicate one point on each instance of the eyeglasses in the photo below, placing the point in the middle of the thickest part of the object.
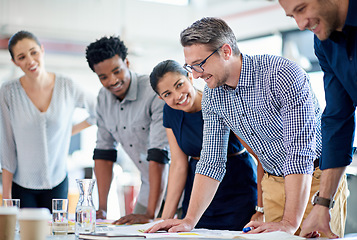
(198, 67)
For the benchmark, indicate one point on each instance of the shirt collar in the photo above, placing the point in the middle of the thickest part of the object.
(133, 88)
(350, 23)
(246, 74)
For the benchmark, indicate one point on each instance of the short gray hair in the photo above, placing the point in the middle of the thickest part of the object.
(213, 32)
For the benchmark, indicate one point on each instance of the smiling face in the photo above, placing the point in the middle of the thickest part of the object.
(114, 75)
(320, 17)
(28, 55)
(178, 92)
(214, 73)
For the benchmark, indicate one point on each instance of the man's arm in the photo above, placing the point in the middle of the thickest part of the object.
(156, 192)
(297, 191)
(319, 217)
(203, 191)
(104, 172)
(155, 196)
(330, 180)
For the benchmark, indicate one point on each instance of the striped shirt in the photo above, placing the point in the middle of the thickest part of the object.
(273, 109)
(34, 144)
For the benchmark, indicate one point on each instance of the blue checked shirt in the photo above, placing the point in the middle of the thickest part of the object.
(273, 109)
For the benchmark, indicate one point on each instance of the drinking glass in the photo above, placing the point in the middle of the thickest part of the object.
(59, 216)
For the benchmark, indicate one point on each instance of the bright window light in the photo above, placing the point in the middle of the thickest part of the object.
(172, 2)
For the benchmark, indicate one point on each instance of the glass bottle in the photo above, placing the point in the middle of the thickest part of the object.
(85, 211)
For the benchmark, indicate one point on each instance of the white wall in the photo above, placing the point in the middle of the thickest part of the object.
(150, 30)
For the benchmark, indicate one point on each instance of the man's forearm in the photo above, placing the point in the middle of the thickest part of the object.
(104, 172)
(203, 190)
(297, 192)
(330, 180)
(156, 189)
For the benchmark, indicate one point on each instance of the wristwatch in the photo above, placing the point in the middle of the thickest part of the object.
(259, 209)
(322, 201)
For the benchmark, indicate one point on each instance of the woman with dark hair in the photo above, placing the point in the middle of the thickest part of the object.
(36, 126)
(236, 198)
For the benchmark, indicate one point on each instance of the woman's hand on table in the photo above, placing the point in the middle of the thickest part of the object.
(172, 225)
(258, 216)
(101, 214)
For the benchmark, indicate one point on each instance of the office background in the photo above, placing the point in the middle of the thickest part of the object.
(151, 31)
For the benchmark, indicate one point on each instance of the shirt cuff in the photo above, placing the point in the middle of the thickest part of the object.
(158, 155)
(110, 154)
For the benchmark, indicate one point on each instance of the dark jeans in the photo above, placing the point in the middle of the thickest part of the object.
(32, 198)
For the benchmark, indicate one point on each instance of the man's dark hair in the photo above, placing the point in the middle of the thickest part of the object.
(105, 48)
(20, 35)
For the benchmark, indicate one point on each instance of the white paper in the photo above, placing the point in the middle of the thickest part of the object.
(195, 233)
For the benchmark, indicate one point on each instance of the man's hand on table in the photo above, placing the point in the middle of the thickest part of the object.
(317, 221)
(101, 214)
(260, 227)
(172, 226)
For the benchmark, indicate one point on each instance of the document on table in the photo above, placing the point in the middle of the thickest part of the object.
(195, 233)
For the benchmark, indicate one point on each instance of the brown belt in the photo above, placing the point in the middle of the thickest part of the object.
(228, 155)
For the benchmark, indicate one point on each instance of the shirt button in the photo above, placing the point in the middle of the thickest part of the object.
(143, 128)
(139, 161)
(131, 145)
(124, 127)
(122, 109)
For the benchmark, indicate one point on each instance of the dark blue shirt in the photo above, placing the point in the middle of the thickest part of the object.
(337, 57)
(235, 199)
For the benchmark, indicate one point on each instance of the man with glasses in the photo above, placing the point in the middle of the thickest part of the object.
(266, 101)
(198, 67)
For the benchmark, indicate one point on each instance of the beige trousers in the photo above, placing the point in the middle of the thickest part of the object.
(274, 201)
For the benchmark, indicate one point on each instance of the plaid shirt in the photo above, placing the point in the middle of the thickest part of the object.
(273, 109)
